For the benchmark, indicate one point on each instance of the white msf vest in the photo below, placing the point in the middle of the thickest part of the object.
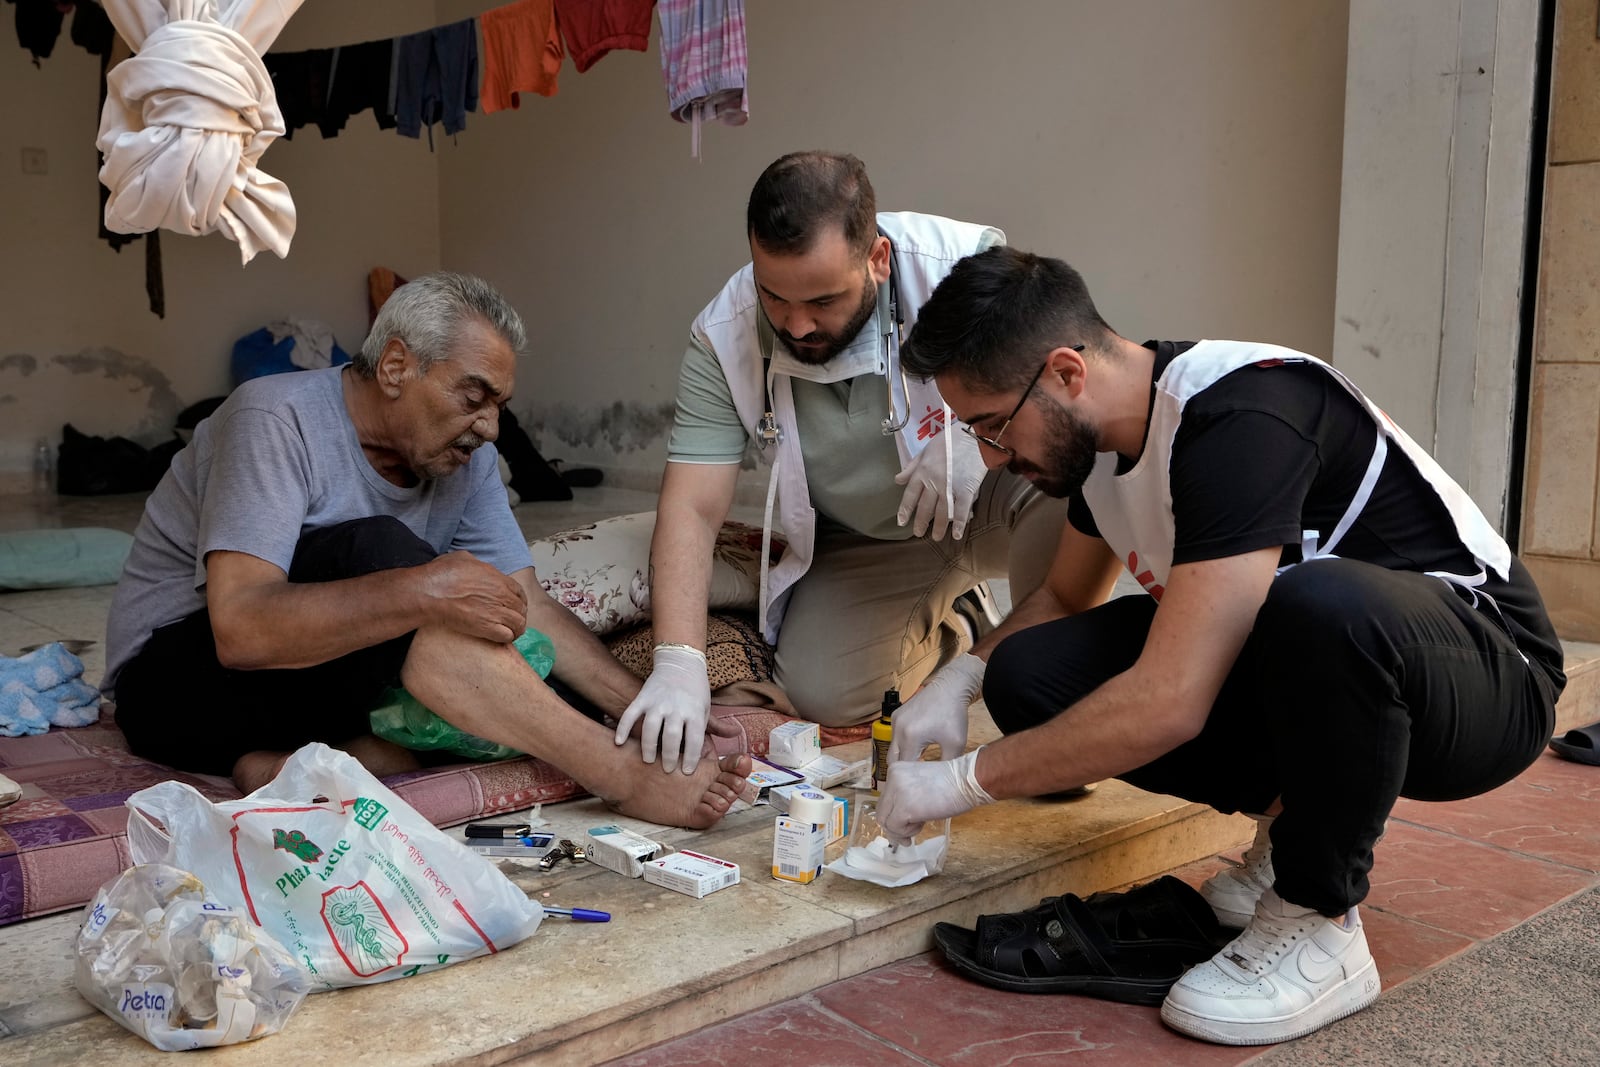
(926, 248)
(1134, 510)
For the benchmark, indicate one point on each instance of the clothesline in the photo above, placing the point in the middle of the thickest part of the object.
(432, 76)
(415, 80)
(188, 116)
(704, 60)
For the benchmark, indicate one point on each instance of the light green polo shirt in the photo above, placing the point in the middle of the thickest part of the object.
(850, 463)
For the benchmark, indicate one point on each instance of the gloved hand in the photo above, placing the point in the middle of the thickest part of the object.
(921, 792)
(925, 479)
(674, 705)
(938, 712)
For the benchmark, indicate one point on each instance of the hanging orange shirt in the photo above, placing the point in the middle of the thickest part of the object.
(521, 53)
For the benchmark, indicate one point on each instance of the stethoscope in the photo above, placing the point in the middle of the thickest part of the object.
(892, 334)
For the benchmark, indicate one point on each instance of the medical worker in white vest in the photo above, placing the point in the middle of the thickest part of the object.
(884, 518)
(1328, 621)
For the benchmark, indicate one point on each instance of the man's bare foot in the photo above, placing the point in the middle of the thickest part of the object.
(255, 769)
(695, 801)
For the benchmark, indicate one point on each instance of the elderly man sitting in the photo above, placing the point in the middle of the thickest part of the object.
(331, 533)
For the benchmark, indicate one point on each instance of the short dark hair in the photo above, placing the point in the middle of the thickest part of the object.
(996, 316)
(800, 195)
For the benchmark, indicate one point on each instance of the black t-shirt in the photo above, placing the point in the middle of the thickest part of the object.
(1268, 451)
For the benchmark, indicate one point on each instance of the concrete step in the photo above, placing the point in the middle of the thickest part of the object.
(668, 964)
(1580, 701)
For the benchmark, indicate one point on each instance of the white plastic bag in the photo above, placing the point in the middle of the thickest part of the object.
(179, 970)
(355, 883)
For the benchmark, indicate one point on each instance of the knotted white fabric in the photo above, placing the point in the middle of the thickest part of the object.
(187, 118)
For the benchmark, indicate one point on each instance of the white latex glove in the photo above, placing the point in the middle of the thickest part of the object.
(937, 715)
(674, 706)
(925, 478)
(922, 792)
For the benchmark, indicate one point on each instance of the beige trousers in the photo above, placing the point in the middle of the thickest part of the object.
(871, 615)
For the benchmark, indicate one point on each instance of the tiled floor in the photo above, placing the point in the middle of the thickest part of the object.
(1447, 877)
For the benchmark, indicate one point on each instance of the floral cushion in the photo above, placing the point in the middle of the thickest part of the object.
(599, 572)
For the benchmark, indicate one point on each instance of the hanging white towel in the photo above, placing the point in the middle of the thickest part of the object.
(187, 118)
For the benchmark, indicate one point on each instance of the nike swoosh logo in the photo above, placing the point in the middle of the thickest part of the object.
(1315, 965)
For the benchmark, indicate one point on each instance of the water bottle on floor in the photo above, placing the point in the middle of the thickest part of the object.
(44, 467)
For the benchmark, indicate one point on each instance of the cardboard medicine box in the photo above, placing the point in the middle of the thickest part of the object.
(691, 873)
(825, 772)
(621, 850)
(797, 850)
(794, 744)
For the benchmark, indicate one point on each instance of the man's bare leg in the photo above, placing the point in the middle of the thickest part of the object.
(488, 690)
(379, 756)
(255, 769)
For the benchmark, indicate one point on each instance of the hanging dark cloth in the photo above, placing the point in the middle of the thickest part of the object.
(301, 81)
(38, 25)
(92, 31)
(323, 87)
(436, 79)
(363, 76)
(154, 287)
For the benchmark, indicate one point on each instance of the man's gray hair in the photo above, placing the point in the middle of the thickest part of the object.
(428, 314)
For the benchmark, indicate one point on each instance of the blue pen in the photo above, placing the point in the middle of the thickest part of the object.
(583, 915)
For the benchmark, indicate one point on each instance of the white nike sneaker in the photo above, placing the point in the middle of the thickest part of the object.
(1290, 972)
(1233, 893)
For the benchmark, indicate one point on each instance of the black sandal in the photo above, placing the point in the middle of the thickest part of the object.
(1581, 745)
(1128, 947)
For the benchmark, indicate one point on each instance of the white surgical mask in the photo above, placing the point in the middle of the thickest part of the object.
(864, 355)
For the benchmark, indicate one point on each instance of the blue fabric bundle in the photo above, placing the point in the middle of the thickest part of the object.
(45, 688)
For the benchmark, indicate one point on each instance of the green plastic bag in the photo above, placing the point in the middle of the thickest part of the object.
(401, 718)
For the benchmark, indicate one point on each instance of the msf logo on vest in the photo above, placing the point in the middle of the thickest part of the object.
(1144, 577)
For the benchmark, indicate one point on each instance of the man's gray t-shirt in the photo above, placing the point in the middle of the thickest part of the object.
(278, 458)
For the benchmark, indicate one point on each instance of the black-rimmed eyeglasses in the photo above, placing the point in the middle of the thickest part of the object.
(994, 442)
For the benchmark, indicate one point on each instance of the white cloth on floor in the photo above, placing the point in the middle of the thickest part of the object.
(187, 118)
(313, 341)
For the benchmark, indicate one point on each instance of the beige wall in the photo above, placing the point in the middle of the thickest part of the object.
(77, 341)
(1433, 223)
(1184, 155)
(1561, 523)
